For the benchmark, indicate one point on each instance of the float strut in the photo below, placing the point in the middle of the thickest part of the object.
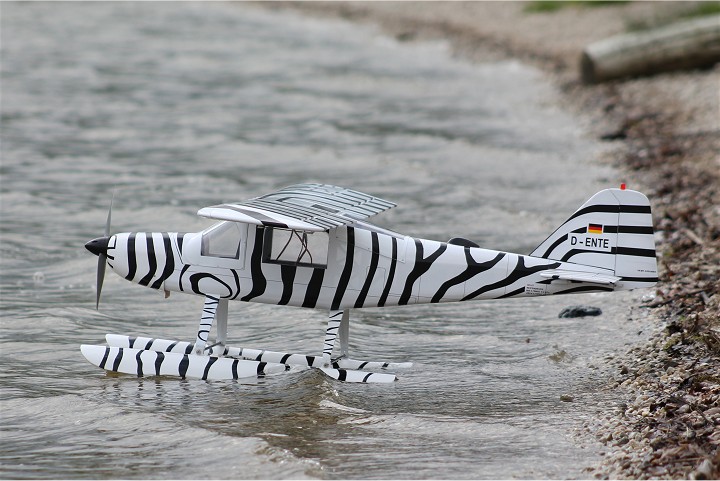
(206, 321)
(338, 325)
(344, 332)
(221, 326)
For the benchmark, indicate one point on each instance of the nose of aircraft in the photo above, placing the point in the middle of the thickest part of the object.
(98, 246)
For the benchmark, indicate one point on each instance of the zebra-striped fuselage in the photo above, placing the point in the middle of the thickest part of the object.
(365, 267)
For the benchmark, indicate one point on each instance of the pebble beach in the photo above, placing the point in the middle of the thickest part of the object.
(665, 134)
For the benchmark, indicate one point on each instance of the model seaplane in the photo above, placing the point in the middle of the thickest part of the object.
(310, 245)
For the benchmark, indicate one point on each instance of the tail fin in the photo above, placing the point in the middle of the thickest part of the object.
(614, 231)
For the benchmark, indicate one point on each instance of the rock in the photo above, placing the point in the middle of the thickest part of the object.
(704, 471)
(580, 311)
(698, 423)
(712, 412)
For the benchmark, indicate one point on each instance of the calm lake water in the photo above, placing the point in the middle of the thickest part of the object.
(177, 106)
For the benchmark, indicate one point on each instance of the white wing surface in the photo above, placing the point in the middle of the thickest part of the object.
(306, 207)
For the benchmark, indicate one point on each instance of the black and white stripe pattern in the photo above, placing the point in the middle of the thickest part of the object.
(369, 267)
(143, 362)
(270, 357)
(607, 244)
(160, 357)
(312, 207)
(331, 333)
(623, 244)
(206, 321)
(147, 258)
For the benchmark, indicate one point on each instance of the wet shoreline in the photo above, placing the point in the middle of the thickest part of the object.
(666, 134)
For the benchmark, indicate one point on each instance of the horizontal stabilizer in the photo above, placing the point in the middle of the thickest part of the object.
(574, 276)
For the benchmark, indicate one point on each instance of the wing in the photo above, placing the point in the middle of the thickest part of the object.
(307, 207)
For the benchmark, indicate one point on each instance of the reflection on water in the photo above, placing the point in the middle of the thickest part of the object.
(179, 106)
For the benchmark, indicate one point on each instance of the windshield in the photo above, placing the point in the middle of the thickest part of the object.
(222, 240)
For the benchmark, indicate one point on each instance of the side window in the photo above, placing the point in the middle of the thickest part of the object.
(283, 246)
(222, 240)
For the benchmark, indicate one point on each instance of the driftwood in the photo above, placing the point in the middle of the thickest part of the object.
(682, 45)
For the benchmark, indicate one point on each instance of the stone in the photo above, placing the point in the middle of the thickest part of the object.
(579, 311)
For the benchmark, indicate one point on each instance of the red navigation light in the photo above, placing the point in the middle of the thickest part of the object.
(622, 186)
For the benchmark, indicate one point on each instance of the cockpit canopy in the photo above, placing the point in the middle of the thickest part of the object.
(280, 246)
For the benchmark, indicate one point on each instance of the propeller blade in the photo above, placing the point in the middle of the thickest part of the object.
(107, 223)
(102, 258)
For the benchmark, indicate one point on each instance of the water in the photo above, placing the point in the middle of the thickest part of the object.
(177, 106)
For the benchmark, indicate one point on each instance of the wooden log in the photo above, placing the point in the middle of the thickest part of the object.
(683, 45)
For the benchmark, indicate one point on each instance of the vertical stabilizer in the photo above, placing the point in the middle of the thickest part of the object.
(614, 231)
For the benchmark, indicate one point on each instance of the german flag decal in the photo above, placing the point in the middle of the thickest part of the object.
(595, 229)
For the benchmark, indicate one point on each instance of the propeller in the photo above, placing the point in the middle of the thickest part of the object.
(99, 248)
